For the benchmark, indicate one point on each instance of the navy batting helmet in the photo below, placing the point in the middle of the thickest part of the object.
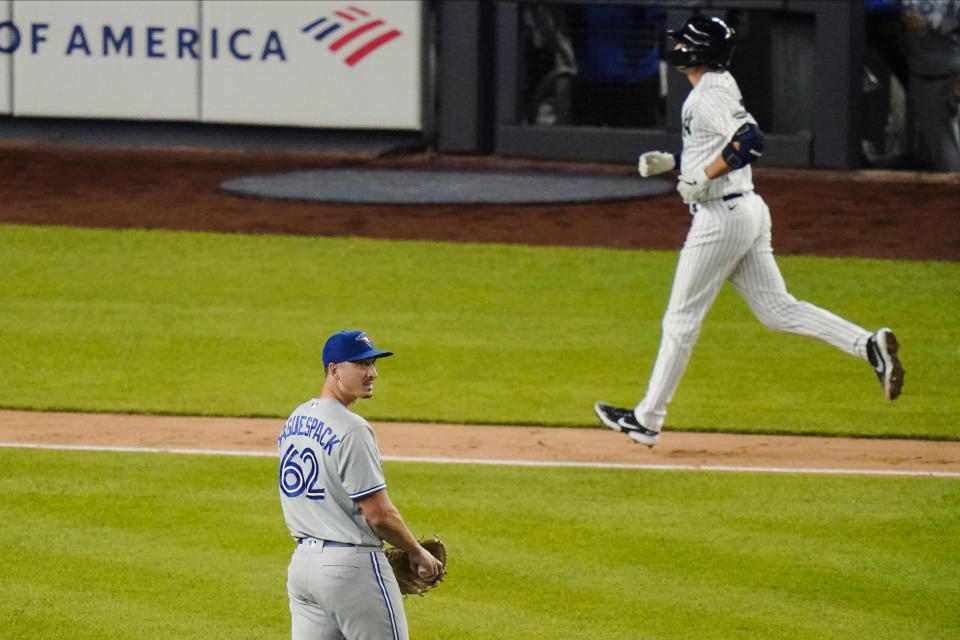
(705, 42)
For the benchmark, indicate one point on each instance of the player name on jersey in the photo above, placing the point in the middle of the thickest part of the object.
(311, 427)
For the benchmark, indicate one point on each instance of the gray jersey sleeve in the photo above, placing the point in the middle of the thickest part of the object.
(360, 465)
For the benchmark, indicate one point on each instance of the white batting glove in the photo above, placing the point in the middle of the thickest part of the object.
(691, 186)
(653, 162)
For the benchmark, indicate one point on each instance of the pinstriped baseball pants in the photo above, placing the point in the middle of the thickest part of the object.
(731, 240)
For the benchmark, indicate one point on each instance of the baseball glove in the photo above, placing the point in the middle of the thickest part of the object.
(407, 578)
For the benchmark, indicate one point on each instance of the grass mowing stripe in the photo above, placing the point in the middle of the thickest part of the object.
(103, 545)
(208, 324)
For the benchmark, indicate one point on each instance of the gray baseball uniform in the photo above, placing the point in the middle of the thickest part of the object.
(729, 239)
(339, 583)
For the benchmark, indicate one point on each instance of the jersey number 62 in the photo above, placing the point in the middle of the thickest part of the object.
(293, 480)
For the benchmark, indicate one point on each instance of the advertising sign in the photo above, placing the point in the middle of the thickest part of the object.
(346, 64)
(6, 63)
(104, 59)
(319, 63)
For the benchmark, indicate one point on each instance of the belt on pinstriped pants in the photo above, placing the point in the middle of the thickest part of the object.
(726, 198)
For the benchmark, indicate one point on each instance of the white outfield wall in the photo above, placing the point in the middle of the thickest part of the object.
(320, 63)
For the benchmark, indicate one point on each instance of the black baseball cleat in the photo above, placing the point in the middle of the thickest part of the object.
(624, 420)
(882, 350)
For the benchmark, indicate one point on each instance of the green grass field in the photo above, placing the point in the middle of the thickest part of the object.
(200, 323)
(108, 546)
(115, 545)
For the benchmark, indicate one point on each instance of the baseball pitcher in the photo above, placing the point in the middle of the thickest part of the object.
(335, 503)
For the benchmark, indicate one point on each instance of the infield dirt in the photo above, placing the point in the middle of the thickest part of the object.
(892, 215)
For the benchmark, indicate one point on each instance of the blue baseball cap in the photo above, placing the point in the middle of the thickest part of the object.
(349, 346)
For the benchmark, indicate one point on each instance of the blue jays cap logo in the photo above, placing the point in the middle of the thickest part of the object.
(365, 338)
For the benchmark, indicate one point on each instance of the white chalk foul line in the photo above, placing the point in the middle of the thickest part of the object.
(682, 467)
(116, 449)
(513, 463)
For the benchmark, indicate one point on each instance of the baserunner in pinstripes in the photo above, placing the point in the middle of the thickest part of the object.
(729, 237)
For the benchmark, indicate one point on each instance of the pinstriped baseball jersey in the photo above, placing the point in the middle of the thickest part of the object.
(712, 113)
(328, 460)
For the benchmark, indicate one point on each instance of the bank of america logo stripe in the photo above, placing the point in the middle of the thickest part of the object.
(370, 47)
(359, 31)
(348, 18)
(323, 34)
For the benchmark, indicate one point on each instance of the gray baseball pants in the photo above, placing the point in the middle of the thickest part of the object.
(344, 593)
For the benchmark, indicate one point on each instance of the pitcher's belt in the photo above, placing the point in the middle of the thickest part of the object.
(314, 542)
